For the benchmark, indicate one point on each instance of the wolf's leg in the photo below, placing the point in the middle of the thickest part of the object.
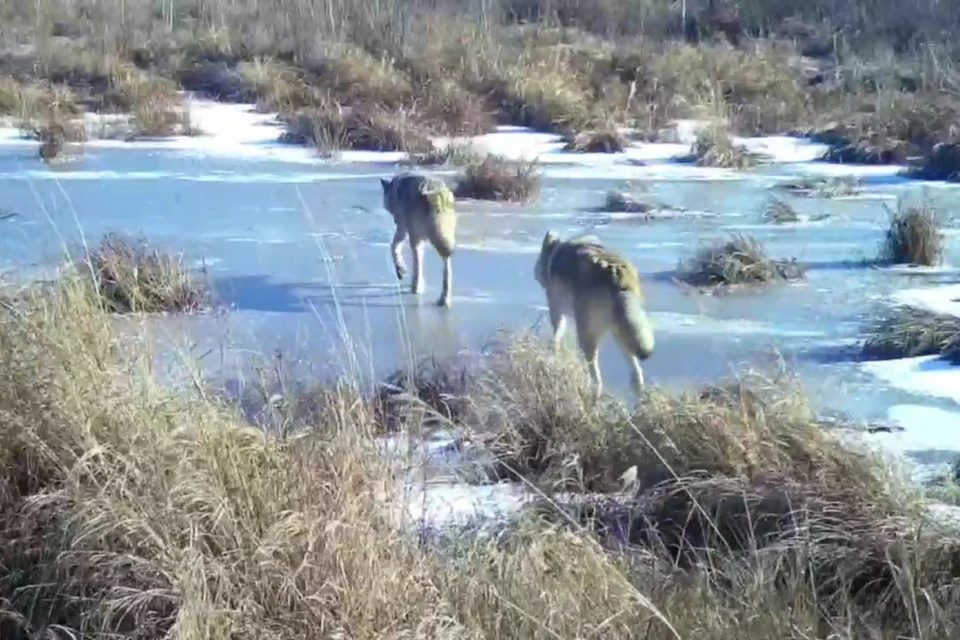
(558, 320)
(634, 333)
(396, 250)
(416, 244)
(445, 293)
(588, 337)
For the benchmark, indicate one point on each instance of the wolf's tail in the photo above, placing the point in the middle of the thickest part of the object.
(632, 325)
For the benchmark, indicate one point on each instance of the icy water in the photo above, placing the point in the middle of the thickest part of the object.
(301, 251)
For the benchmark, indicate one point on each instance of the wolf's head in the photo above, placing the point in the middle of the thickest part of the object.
(550, 241)
(387, 191)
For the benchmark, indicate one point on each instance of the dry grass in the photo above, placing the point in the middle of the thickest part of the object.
(822, 187)
(913, 237)
(607, 140)
(496, 178)
(334, 127)
(739, 260)
(714, 148)
(454, 155)
(624, 202)
(728, 484)
(456, 69)
(908, 332)
(130, 510)
(779, 212)
(130, 276)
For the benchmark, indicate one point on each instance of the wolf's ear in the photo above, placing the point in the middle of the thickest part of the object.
(549, 240)
(385, 183)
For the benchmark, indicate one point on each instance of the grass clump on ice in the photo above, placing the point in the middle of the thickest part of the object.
(496, 178)
(130, 276)
(738, 260)
(907, 332)
(913, 237)
(714, 148)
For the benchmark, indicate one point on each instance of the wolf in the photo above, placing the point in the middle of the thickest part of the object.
(423, 209)
(601, 289)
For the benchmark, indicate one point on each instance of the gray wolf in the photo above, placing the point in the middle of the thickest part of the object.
(423, 210)
(601, 290)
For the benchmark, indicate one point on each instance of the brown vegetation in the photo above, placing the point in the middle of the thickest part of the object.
(495, 178)
(739, 260)
(608, 140)
(454, 70)
(913, 237)
(117, 491)
(908, 332)
(130, 276)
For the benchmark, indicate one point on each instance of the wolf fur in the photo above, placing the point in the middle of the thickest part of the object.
(601, 290)
(423, 210)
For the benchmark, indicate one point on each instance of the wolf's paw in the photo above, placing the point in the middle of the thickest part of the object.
(444, 301)
(401, 272)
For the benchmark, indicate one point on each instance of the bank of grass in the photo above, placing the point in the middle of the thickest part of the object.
(906, 332)
(456, 70)
(129, 507)
(739, 260)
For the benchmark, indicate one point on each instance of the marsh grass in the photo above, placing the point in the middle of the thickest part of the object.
(714, 148)
(130, 276)
(739, 260)
(777, 211)
(119, 491)
(333, 127)
(454, 155)
(605, 140)
(499, 179)
(625, 202)
(907, 332)
(913, 237)
(823, 187)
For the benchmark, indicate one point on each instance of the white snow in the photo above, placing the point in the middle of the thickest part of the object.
(238, 131)
(944, 299)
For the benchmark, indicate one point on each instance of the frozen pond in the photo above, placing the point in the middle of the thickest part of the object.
(300, 247)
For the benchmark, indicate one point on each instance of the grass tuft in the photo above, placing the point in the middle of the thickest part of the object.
(607, 140)
(739, 260)
(907, 332)
(624, 202)
(499, 179)
(779, 212)
(335, 128)
(913, 237)
(130, 276)
(714, 148)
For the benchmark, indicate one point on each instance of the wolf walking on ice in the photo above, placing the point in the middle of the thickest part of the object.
(423, 210)
(601, 289)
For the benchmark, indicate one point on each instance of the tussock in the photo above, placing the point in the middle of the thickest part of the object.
(623, 202)
(739, 260)
(371, 129)
(913, 237)
(714, 148)
(779, 212)
(130, 276)
(496, 178)
(906, 332)
(607, 140)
